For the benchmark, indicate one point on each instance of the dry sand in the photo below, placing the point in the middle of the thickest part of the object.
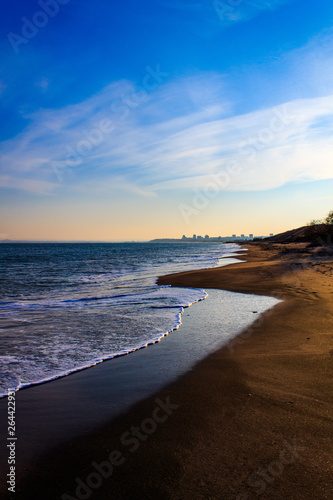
(254, 420)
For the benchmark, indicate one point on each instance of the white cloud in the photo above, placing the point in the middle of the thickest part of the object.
(229, 12)
(174, 138)
(26, 184)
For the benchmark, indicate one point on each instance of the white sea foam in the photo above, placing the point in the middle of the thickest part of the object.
(75, 319)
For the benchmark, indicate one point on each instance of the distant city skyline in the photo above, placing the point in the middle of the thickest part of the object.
(207, 237)
(141, 120)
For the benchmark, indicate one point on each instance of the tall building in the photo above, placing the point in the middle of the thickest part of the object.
(251, 236)
(206, 237)
(194, 236)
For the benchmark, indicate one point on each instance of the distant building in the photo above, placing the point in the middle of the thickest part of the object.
(251, 236)
(206, 237)
(199, 238)
(194, 236)
(184, 237)
(242, 235)
(271, 234)
(234, 236)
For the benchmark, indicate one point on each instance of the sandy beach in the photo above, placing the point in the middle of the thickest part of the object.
(253, 420)
(166, 250)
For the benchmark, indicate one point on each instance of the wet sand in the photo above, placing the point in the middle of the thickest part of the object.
(252, 420)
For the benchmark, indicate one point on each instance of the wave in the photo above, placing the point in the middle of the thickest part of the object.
(74, 330)
(95, 361)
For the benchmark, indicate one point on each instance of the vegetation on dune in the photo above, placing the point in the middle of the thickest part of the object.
(328, 220)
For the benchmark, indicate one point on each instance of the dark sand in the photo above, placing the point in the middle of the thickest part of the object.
(253, 418)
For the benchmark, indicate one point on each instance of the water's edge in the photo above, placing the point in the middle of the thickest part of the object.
(224, 260)
(88, 399)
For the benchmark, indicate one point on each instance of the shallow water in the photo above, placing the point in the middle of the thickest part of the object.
(56, 412)
(64, 307)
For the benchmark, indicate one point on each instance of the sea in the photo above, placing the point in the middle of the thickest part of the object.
(68, 306)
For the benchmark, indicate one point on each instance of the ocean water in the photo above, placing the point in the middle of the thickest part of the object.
(68, 306)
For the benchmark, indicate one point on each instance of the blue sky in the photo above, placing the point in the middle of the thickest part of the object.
(135, 120)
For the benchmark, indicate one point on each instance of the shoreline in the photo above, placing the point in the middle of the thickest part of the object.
(123, 381)
(180, 460)
(232, 256)
(111, 388)
(98, 362)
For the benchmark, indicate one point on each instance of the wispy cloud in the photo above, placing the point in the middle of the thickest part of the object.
(26, 184)
(230, 12)
(180, 134)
